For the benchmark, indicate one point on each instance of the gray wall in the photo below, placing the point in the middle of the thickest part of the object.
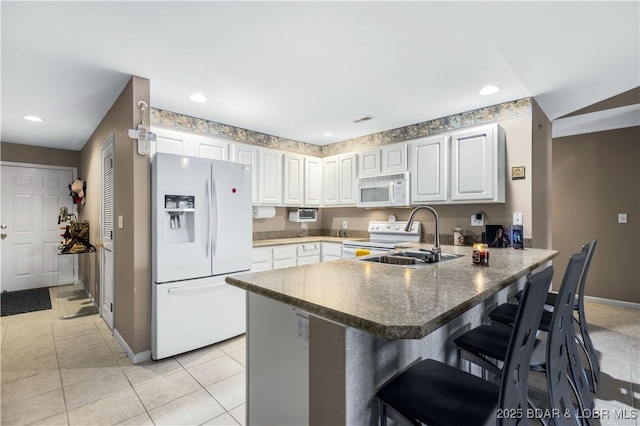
(595, 177)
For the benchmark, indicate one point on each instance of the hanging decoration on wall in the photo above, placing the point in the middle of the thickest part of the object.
(78, 187)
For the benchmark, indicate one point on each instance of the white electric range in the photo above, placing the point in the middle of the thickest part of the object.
(383, 237)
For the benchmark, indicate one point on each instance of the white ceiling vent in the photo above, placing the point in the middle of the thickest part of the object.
(360, 120)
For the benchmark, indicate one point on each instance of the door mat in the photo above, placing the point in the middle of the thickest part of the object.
(23, 301)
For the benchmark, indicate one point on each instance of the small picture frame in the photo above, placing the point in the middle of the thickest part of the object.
(517, 172)
(497, 236)
(517, 237)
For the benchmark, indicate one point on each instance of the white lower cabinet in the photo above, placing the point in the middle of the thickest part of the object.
(284, 256)
(331, 251)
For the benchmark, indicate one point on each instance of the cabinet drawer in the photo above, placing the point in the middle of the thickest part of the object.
(261, 255)
(310, 249)
(279, 264)
(307, 260)
(332, 249)
(284, 252)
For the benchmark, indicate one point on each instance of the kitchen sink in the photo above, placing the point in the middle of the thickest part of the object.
(409, 259)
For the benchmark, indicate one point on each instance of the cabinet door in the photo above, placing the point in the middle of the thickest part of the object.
(369, 163)
(312, 181)
(393, 158)
(216, 149)
(473, 164)
(248, 154)
(270, 176)
(348, 179)
(331, 181)
(171, 142)
(428, 170)
(293, 180)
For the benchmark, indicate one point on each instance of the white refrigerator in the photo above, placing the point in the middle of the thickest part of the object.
(201, 233)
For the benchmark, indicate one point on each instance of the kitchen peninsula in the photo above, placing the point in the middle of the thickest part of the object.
(322, 338)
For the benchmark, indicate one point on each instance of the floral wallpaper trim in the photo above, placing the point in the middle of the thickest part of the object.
(485, 115)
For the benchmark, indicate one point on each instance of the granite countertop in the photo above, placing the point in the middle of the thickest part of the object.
(299, 240)
(391, 301)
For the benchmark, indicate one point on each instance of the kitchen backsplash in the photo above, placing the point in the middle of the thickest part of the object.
(490, 114)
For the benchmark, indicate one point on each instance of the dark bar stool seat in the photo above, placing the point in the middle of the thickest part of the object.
(434, 393)
(505, 314)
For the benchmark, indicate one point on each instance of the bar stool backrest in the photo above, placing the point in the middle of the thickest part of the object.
(515, 374)
(584, 329)
(557, 344)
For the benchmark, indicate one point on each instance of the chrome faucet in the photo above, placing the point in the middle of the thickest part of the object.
(437, 253)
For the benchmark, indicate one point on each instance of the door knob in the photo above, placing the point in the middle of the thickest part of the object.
(3, 226)
(3, 236)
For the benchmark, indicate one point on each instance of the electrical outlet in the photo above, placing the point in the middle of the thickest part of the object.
(302, 328)
(303, 225)
(477, 222)
(517, 218)
(622, 218)
(344, 224)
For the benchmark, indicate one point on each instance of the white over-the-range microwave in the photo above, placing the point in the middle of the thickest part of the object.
(384, 191)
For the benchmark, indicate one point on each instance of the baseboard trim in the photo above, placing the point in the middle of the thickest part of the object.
(620, 303)
(135, 358)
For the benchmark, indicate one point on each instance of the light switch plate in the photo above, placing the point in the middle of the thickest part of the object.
(517, 218)
(622, 218)
(120, 221)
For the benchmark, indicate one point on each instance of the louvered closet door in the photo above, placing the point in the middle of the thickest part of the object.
(107, 271)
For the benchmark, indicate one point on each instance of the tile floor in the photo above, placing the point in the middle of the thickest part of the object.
(73, 372)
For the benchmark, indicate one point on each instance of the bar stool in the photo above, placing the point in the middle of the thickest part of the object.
(561, 365)
(437, 394)
(505, 314)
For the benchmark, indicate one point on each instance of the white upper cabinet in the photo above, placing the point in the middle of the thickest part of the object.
(393, 158)
(388, 159)
(369, 163)
(478, 165)
(293, 190)
(171, 142)
(270, 177)
(428, 177)
(248, 154)
(339, 180)
(312, 181)
(213, 148)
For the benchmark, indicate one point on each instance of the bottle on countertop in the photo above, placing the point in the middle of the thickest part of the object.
(458, 236)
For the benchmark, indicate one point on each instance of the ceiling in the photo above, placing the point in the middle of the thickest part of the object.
(299, 69)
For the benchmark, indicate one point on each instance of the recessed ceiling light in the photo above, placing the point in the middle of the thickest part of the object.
(489, 90)
(198, 97)
(327, 134)
(33, 118)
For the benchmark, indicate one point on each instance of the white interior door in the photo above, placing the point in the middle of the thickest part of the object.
(31, 199)
(107, 271)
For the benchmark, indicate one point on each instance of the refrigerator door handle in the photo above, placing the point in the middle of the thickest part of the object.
(208, 218)
(214, 222)
(216, 286)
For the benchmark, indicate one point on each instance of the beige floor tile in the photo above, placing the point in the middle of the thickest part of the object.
(613, 414)
(11, 357)
(63, 332)
(25, 342)
(26, 388)
(230, 392)
(191, 359)
(109, 383)
(166, 389)
(224, 420)
(140, 420)
(240, 414)
(57, 420)
(90, 370)
(73, 344)
(215, 370)
(148, 370)
(41, 331)
(240, 356)
(108, 411)
(233, 344)
(21, 370)
(192, 409)
(36, 408)
(82, 355)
